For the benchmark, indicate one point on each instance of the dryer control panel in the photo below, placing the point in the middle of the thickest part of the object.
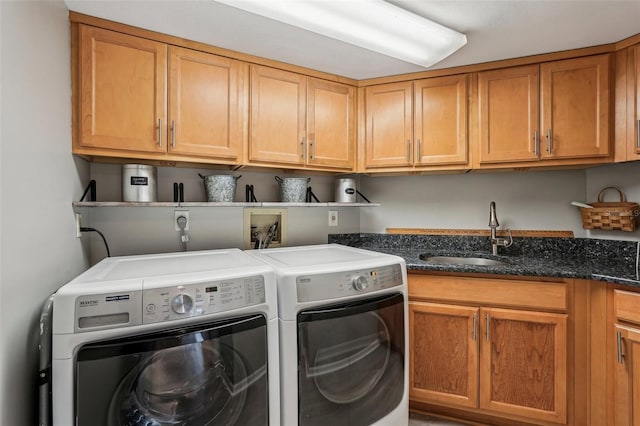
(348, 283)
(192, 300)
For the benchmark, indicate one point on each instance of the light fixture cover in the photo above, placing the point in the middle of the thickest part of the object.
(371, 24)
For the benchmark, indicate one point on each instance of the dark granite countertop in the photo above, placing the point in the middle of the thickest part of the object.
(582, 258)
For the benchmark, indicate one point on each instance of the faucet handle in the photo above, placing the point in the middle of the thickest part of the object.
(508, 243)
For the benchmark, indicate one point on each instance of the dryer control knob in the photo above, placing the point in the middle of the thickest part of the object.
(181, 304)
(360, 283)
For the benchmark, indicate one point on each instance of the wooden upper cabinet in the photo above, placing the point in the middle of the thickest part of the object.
(575, 101)
(277, 116)
(331, 114)
(635, 117)
(206, 104)
(523, 364)
(388, 127)
(122, 91)
(508, 114)
(440, 120)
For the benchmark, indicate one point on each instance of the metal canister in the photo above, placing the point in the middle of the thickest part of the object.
(139, 183)
(345, 190)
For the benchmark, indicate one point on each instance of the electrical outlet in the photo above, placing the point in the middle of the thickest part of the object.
(333, 218)
(177, 214)
(78, 225)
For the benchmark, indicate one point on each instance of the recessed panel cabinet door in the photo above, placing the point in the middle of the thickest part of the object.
(509, 114)
(575, 107)
(440, 120)
(278, 116)
(389, 136)
(206, 104)
(627, 377)
(443, 354)
(635, 143)
(523, 364)
(331, 124)
(123, 91)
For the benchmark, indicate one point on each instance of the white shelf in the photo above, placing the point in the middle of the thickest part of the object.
(208, 204)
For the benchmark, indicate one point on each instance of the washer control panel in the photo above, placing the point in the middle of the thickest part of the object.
(348, 283)
(192, 300)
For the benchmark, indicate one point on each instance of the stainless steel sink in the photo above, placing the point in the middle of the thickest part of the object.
(459, 260)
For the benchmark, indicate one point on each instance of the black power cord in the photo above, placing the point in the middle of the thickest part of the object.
(86, 229)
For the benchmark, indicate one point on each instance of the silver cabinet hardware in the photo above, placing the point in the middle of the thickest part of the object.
(419, 158)
(160, 132)
(304, 147)
(475, 326)
(408, 149)
(536, 143)
(173, 133)
(620, 354)
(313, 148)
(549, 141)
(487, 320)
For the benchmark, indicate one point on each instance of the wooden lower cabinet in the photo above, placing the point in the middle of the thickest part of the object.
(500, 363)
(626, 383)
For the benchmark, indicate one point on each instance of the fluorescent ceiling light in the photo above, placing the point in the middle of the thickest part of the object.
(371, 24)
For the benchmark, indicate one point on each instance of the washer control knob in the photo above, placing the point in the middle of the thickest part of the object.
(360, 283)
(182, 304)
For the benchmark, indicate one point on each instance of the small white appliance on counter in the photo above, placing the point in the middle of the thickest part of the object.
(343, 335)
(166, 339)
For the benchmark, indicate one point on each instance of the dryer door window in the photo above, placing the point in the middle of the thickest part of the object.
(213, 373)
(351, 362)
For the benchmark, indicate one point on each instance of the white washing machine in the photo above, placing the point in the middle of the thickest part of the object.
(343, 335)
(167, 339)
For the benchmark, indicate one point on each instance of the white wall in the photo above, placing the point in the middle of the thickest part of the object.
(524, 201)
(39, 180)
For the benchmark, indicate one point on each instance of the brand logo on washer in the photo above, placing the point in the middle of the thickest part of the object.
(91, 302)
(117, 298)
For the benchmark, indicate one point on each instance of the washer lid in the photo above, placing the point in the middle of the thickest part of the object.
(145, 266)
(325, 254)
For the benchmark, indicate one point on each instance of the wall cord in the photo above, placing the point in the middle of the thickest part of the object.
(86, 229)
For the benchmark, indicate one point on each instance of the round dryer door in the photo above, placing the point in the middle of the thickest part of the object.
(199, 384)
(199, 375)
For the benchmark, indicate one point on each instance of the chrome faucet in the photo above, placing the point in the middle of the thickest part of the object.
(493, 224)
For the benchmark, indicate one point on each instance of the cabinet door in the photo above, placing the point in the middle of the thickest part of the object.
(440, 120)
(206, 108)
(575, 107)
(123, 91)
(278, 108)
(330, 124)
(443, 354)
(508, 103)
(523, 364)
(388, 138)
(636, 102)
(627, 377)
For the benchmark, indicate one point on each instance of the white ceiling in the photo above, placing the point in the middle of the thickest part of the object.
(495, 30)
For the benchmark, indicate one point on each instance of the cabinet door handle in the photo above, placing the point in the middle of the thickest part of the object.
(419, 158)
(620, 354)
(173, 133)
(313, 148)
(487, 320)
(536, 143)
(638, 135)
(408, 149)
(549, 141)
(304, 148)
(160, 132)
(474, 333)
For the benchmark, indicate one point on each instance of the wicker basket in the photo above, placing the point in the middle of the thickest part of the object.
(620, 216)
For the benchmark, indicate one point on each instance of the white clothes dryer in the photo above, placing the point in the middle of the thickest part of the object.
(167, 339)
(343, 335)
